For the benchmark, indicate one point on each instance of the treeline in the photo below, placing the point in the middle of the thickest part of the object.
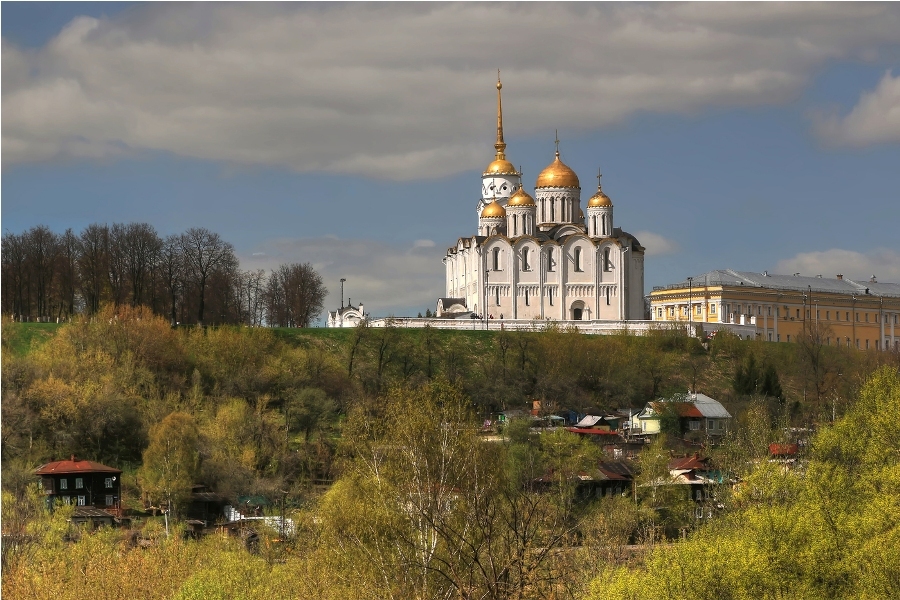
(192, 277)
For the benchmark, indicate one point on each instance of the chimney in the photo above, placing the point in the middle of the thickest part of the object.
(840, 276)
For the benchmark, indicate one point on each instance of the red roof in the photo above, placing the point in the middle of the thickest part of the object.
(784, 449)
(689, 462)
(682, 409)
(73, 465)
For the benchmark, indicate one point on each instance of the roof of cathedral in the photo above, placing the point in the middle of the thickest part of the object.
(557, 174)
(521, 198)
(493, 210)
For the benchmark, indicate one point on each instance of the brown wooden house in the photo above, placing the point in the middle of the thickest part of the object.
(94, 489)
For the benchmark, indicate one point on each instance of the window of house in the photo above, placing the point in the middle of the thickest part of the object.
(807, 313)
(769, 311)
(551, 264)
(857, 343)
(694, 425)
(770, 337)
(867, 344)
(847, 317)
(671, 311)
(712, 309)
(550, 294)
(827, 315)
(578, 259)
(606, 262)
(67, 500)
(109, 500)
(108, 482)
(80, 500)
(778, 338)
(63, 484)
(867, 317)
(79, 483)
(698, 494)
(659, 313)
(699, 310)
(857, 317)
(496, 255)
(525, 265)
(607, 296)
(698, 512)
(789, 337)
(710, 424)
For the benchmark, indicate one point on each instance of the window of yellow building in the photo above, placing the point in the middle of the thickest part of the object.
(712, 309)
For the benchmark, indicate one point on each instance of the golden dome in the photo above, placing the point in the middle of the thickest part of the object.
(500, 166)
(557, 175)
(521, 198)
(493, 210)
(599, 200)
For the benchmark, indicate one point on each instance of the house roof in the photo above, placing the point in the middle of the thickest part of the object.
(688, 463)
(73, 465)
(728, 277)
(783, 449)
(616, 471)
(693, 405)
(589, 431)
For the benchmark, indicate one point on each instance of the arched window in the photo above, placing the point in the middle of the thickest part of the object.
(578, 259)
(526, 297)
(515, 225)
(607, 296)
(606, 263)
(551, 264)
(497, 291)
(525, 265)
(496, 253)
(605, 226)
(552, 210)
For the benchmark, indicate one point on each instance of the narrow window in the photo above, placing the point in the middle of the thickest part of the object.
(63, 484)
(606, 263)
(525, 265)
(497, 290)
(109, 500)
(607, 296)
(551, 264)
(108, 482)
(712, 309)
(659, 313)
(80, 500)
(578, 259)
(526, 298)
(79, 483)
(496, 254)
(699, 310)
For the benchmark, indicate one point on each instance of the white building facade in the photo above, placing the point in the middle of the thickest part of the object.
(539, 257)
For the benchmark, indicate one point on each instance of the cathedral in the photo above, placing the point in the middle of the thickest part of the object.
(540, 256)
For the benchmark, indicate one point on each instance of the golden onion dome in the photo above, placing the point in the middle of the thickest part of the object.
(493, 210)
(599, 200)
(521, 198)
(557, 175)
(500, 166)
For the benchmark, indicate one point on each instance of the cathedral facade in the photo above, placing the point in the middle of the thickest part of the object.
(542, 256)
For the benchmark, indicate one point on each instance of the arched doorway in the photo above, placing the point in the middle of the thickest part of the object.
(577, 310)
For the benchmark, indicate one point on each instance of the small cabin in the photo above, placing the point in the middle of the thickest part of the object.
(94, 489)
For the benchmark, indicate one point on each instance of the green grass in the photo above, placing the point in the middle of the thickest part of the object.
(20, 338)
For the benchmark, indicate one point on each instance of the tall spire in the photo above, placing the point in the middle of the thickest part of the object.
(500, 146)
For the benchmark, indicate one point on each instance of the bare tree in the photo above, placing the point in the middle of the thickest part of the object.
(68, 273)
(295, 295)
(93, 245)
(141, 247)
(204, 252)
(42, 247)
(171, 273)
(16, 297)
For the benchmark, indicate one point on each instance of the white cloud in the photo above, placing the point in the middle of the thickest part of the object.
(401, 91)
(883, 263)
(656, 244)
(389, 278)
(874, 119)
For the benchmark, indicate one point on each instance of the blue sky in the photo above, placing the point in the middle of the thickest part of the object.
(746, 136)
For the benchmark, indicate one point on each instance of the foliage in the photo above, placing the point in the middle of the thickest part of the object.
(171, 461)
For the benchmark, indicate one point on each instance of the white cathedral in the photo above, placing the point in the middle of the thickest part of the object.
(538, 257)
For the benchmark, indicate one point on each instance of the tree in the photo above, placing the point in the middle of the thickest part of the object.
(295, 295)
(204, 252)
(171, 461)
(93, 246)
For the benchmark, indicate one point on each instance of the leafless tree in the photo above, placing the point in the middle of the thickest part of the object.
(295, 295)
(42, 247)
(204, 252)
(93, 245)
(171, 273)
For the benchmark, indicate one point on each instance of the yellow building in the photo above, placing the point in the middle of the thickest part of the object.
(865, 315)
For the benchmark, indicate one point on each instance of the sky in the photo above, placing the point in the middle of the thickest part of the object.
(755, 137)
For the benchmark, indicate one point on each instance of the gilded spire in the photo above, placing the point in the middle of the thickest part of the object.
(556, 140)
(500, 146)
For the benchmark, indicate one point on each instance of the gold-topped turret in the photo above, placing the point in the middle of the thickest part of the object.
(500, 166)
(493, 210)
(557, 174)
(599, 200)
